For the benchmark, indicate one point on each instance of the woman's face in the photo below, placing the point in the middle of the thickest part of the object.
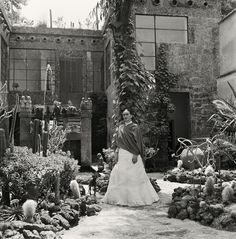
(127, 116)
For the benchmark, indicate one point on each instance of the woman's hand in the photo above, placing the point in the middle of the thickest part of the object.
(135, 158)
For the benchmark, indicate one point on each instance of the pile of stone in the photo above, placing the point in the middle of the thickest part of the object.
(195, 204)
(197, 177)
(51, 219)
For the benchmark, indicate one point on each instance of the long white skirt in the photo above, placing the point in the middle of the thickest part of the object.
(129, 184)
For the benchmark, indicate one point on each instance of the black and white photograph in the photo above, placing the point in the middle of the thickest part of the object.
(117, 119)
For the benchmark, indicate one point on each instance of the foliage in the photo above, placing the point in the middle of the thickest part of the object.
(56, 139)
(32, 176)
(159, 103)
(227, 6)
(11, 214)
(225, 116)
(132, 80)
(13, 8)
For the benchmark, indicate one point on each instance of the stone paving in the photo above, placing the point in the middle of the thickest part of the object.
(149, 222)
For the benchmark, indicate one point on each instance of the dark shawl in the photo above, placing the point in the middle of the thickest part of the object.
(129, 138)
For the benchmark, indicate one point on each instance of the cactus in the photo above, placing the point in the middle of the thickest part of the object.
(74, 187)
(29, 210)
(227, 194)
(45, 143)
(209, 185)
(36, 133)
(3, 143)
(57, 188)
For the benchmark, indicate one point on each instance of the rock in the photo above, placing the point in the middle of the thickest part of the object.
(53, 208)
(47, 235)
(91, 211)
(39, 227)
(62, 221)
(216, 209)
(96, 207)
(31, 234)
(73, 203)
(172, 211)
(183, 203)
(46, 219)
(10, 233)
(207, 218)
(67, 215)
(183, 214)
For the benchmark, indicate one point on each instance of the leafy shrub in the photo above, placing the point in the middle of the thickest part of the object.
(31, 176)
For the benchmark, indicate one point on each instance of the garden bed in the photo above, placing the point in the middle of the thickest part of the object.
(213, 208)
(196, 177)
(50, 219)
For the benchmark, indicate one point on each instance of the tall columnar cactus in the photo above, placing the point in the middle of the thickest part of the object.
(45, 143)
(36, 133)
(3, 143)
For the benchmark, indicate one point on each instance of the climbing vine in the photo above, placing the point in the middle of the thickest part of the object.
(132, 80)
(156, 123)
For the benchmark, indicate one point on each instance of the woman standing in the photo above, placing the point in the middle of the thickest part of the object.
(129, 184)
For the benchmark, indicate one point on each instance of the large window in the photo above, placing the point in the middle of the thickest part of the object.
(151, 30)
(94, 72)
(28, 68)
(3, 61)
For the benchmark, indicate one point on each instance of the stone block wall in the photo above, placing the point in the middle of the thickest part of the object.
(67, 43)
(197, 63)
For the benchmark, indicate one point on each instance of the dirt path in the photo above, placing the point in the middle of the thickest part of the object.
(149, 222)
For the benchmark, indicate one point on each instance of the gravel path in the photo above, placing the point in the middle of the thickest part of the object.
(149, 222)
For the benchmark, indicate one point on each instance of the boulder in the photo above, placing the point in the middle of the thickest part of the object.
(62, 221)
(31, 234)
(48, 235)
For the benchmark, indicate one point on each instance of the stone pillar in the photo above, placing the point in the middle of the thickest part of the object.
(86, 132)
(25, 113)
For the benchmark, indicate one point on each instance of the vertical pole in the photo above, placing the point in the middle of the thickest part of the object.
(86, 132)
(50, 14)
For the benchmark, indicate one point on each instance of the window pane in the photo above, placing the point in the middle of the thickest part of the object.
(146, 49)
(144, 35)
(178, 23)
(144, 21)
(20, 74)
(19, 64)
(22, 84)
(149, 63)
(33, 64)
(169, 36)
(33, 85)
(33, 75)
(19, 54)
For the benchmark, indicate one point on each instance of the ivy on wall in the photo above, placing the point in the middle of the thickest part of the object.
(156, 123)
(132, 80)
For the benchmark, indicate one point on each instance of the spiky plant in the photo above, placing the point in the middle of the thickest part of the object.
(209, 185)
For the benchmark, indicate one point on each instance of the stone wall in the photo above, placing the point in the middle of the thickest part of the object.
(67, 43)
(197, 62)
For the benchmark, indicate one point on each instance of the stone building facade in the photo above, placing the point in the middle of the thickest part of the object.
(79, 61)
(5, 29)
(227, 28)
(71, 58)
(190, 32)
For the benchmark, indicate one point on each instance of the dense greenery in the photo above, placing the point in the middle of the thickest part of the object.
(132, 80)
(29, 175)
(13, 8)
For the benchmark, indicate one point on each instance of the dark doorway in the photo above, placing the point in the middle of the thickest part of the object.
(180, 119)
